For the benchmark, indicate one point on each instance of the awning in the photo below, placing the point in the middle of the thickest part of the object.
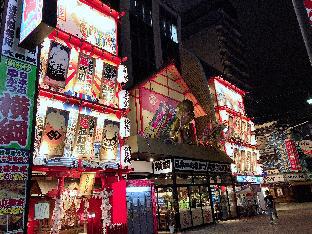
(159, 149)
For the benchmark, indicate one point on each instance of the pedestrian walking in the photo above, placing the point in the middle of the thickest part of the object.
(270, 206)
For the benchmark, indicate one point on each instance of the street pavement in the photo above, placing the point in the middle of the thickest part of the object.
(293, 218)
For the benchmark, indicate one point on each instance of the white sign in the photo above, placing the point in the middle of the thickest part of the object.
(295, 177)
(122, 75)
(162, 166)
(124, 100)
(42, 210)
(124, 127)
(274, 178)
(126, 155)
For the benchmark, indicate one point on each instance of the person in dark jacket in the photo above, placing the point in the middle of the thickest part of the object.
(270, 205)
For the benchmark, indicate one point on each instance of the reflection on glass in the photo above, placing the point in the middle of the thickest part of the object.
(184, 179)
(206, 206)
(163, 180)
(165, 204)
(196, 205)
(200, 179)
(184, 207)
(231, 196)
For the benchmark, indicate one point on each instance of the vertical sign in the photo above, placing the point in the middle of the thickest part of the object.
(86, 183)
(17, 89)
(293, 155)
(10, 46)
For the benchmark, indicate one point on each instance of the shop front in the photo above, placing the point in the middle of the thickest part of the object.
(192, 193)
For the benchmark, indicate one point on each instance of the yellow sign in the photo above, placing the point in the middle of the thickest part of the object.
(86, 183)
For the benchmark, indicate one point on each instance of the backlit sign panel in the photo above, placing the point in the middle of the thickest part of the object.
(80, 20)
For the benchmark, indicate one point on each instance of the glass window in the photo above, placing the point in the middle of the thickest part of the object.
(163, 180)
(184, 179)
(196, 204)
(206, 204)
(165, 204)
(231, 196)
(184, 207)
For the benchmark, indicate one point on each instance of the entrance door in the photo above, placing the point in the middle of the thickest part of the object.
(140, 212)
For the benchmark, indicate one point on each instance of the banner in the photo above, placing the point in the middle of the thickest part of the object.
(293, 155)
(17, 89)
(110, 141)
(54, 133)
(86, 183)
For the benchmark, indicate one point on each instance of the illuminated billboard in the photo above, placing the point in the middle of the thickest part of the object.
(38, 21)
(229, 98)
(80, 20)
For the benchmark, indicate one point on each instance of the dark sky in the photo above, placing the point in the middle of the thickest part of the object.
(280, 71)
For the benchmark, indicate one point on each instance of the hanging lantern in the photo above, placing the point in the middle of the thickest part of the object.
(124, 100)
(124, 127)
(126, 155)
(122, 76)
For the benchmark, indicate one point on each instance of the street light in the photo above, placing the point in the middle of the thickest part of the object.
(309, 101)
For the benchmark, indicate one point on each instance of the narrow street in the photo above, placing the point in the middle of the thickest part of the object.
(293, 218)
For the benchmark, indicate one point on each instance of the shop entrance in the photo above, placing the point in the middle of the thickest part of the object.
(140, 213)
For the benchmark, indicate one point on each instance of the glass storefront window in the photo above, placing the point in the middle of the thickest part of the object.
(184, 207)
(200, 179)
(165, 208)
(220, 202)
(206, 205)
(231, 196)
(196, 204)
(184, 179)
(163, 180)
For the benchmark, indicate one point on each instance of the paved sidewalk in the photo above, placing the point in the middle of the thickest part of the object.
(294, 218)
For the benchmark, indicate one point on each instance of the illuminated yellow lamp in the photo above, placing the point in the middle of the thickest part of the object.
(151, 160)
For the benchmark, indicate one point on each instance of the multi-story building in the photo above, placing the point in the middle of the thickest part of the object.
(63, 118)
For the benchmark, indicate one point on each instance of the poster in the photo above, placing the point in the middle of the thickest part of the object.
(17, 89)
(57, 67)
(86, 183)
(110, 141)
(54, 133)
(80, 20)
(10, 46)
(42, 210)
(83, 148)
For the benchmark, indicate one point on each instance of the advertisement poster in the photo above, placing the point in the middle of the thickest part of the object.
(80, 20)
(83, 148)
(229, 98)
(293, 155)
(57, 67)
(110, 141)
(10, 46)
(17, 89)
(160, 113)
(54, 133)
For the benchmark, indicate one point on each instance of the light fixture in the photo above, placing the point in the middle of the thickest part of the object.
(309, 101)
(151, 160)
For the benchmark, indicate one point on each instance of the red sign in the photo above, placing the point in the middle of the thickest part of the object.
(293, 155)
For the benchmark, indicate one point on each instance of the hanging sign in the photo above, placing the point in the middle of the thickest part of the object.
(126, 155)
(306, 146)
(42, 210)
(249, 179)
(274, 178)
(293, 155)
(54, 133)
(83, 148)
(124, 127)
(57, 67)
(110, 141)
(122, 74)
(38, 21)
(162, 166)
(124, 100)
(86, 183)
(295, 177)
(80, 20)
(108, 84)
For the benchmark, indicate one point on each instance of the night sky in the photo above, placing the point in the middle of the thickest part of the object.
(280, 71)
